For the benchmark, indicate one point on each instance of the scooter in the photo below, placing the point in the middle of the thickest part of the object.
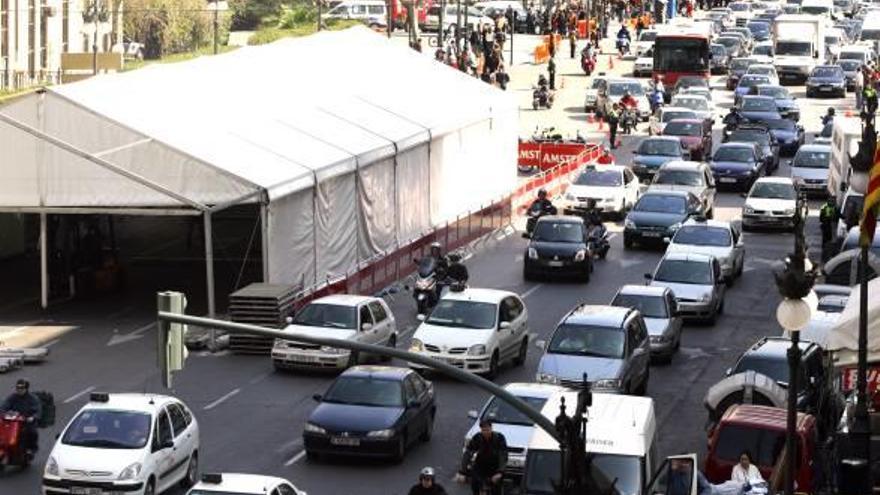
(628, 120)
(588, 64)
(542, 97)
(12, 452)
(425, 287)
(623, 46)
(597, 241)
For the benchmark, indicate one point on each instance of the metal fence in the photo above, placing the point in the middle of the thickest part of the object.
(16, 80)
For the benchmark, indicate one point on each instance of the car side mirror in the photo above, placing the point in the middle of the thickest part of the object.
(167, 444)
(366, 327)
(526, 235)
(666, 240)
(317, 397)
(420, 317)
(504, 325)
(649, 277)
(473, 414)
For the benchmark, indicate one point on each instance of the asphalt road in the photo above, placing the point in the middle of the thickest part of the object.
(251, 417)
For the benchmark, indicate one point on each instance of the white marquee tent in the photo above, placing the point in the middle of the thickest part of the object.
(351, 144)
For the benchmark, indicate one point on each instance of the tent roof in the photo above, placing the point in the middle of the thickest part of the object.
(270, 118)
(845, 333)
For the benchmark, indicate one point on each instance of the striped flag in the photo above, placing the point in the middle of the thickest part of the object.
(872, 202)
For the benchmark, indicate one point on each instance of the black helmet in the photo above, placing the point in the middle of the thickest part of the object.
(591, 203)
(830, 111)
(542, 193)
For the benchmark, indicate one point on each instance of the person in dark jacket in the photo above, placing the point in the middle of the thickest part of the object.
(427, 485)
(484, 459)
(28, 405)
(551, 71)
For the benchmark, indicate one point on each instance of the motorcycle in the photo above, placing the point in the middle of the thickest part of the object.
(542, 97)
(628, 120)
(588, 64)
(623, 46)
(425, 290)
(547, 134)
(597, 241)
(12, 452)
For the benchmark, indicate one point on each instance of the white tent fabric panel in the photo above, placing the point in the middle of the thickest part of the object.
(19, 183)
(292, 239)
(336, 225)
(845, 333)
(376, 208)
(444, 159)
(413, 191)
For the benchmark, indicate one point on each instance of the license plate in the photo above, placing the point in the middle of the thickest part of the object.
(824, 88)
(554, 263)
(650, 234)
(345, 441)
(81, 490)
(305, 359)
(727, 180)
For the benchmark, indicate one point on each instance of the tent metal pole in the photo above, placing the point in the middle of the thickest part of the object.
(44, 264)
(264, 227)
(209, 273)
(58, 210)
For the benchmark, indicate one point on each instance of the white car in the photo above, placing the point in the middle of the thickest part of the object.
(476, 330)
(514, 425)
(764, 70)
(762, 53)
(348, 317)
(697, 90)
(139, 444)
(645, 42)
(243, 484)
(658, 122)
(715, 238)
(699, 104)
(772, 202)
(475, 19)
(809, 168)
(615, 188)
(644, 64)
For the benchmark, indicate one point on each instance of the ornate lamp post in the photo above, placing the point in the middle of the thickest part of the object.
(95, 12)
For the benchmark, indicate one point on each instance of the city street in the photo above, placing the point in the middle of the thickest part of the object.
(251, 417)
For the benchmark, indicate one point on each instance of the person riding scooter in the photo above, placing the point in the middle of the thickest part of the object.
(539, 207)
(28, 405)
(623, 40)
(733, 120)
(596, 229)
(457, 273)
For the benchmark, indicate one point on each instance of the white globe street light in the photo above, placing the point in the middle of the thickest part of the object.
(793, 314)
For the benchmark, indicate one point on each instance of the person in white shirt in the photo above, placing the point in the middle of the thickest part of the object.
(745, 471)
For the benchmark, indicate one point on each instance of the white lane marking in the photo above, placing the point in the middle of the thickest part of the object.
(128, 337)
(530, 291)
(290, 445)
(221, 400)
(293, 460)
(78, 395)
(612, 235)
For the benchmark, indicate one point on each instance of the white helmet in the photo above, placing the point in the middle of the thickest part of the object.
(427, 472)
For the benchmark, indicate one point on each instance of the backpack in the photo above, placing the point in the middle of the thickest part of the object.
(47, 401)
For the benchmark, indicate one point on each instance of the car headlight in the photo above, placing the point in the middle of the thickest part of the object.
(629, 224)
(386, 433)
(51, 467)
(580, 255)
(476, 350)
(607, 383)
(748, 209)
(704, 298)
(547, 378)
(416, 345)
(674, 227)
(533, 253)
(313, 428)
(333, 350)
(789, 211)
(131, 472)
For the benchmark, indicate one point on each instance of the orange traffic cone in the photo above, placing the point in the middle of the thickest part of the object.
(848, 112)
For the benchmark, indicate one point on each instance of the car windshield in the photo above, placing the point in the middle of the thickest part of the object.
(814, 9)
(826, 72)
(657, 203)
(812, 159)
(849, 65)
(734, 154)
(612, 474)
(776, 92)
(588, 340)
(780, 124)
(758, 105)
(765, 50)
(649, 306)
(729, 42)
(648, 36)
(759, 28)
(551, 231)
(750, 136)
(365, 391)
(108, 429)
(854, 56)
(617, 89)
(600, 178)
(773, 190)
(697, 235)
(659, 147)
(499, 411)
(463, 314)
(684, 272)
(765, 445)
(327, 315)
(690, 102)
(765, 71)
(683, 128)
(794, 48)
(718, 50)
(740, 63)
(750, 80)
(679, 177)
(678, 114)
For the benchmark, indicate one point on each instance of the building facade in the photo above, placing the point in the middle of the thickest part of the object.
(34, 34)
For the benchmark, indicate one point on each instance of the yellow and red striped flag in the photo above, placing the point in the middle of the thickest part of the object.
(872, 202)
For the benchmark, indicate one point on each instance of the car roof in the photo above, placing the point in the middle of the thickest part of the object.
(688, 121)
(380, 372)
(598, 315)
(674, 109)
(256, 484)
(530, 389)
(776, 180)
(696, 257)
(827, 66)
(707, 222)
(479, 295)
(773, 418)
(561, 219)
(148, 403)
(643, 290)
(766, 86)
(609, 167)
(815, 147)
(344, 299)
(761, 66)
(735, 144)
(682, 164)
(776, 347)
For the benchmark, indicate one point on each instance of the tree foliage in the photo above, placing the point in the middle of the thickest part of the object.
(249, 14)
(168, 26)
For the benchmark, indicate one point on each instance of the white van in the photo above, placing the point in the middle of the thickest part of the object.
(845, 135)
(621, 436)
(369, 11)
(861, 52)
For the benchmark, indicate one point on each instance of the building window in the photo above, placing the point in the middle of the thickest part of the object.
(32, 36)
(65, 25)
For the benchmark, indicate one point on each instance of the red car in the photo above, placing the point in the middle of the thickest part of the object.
(695, 136)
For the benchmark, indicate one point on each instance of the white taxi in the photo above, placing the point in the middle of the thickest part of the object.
(475, 330)
(363, 319)
(137, 444)
(243, 484)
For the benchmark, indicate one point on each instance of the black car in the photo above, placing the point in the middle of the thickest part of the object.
(658, 215)
(759, 134)
(788, 134)
(737, 69)
(373, 411)
(826, 80)
(760, 30)
(768, 357)
(720, 59)
(737, 165)
(558, 246)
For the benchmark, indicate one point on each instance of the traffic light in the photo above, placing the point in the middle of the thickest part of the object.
(171, 344)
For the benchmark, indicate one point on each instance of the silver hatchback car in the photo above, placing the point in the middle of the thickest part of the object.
(660, 311)
(696, 281)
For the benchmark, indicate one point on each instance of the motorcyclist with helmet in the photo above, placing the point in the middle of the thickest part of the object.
(427, 484)
(543, 204)
(629, 105)
(28, 405)
(734, 118)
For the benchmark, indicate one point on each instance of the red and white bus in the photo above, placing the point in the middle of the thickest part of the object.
(682, 54)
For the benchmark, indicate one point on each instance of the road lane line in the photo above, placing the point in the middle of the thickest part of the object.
(221, 400)
(257, 379)
(530, 291)
(293, 460)
(78, 395)
(290, 445)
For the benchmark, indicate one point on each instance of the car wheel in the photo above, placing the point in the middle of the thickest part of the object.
(627, 242)
(586, 276)
(710, 214)
(150, 489)
(527, 274)
(400, 450)
(352, 359)
(493, 366)
(192, 472)
(392, 344)
(721, 308)
(429, 429)
(520, 358)
(677, 342)
(312, 456)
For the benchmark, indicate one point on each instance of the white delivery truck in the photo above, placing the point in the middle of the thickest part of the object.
(845, 136)
(799, 46)
(621, 438)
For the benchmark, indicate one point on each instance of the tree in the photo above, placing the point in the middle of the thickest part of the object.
(167, 26)
(248, 14)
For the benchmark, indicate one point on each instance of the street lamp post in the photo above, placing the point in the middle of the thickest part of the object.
(95, 12)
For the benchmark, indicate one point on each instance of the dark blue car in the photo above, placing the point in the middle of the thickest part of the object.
(760, 30)
(747, 84)
(759, 108)
(789, 135)
(826, 80)
(737, 165)
(658, 214)
(653, 152)
(785, 103)
(375, 411)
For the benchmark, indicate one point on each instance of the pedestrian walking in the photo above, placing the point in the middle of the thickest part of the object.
(613, 118)
(572, 43)
(551, 71)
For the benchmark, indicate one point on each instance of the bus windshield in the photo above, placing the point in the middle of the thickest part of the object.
(681, 54)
